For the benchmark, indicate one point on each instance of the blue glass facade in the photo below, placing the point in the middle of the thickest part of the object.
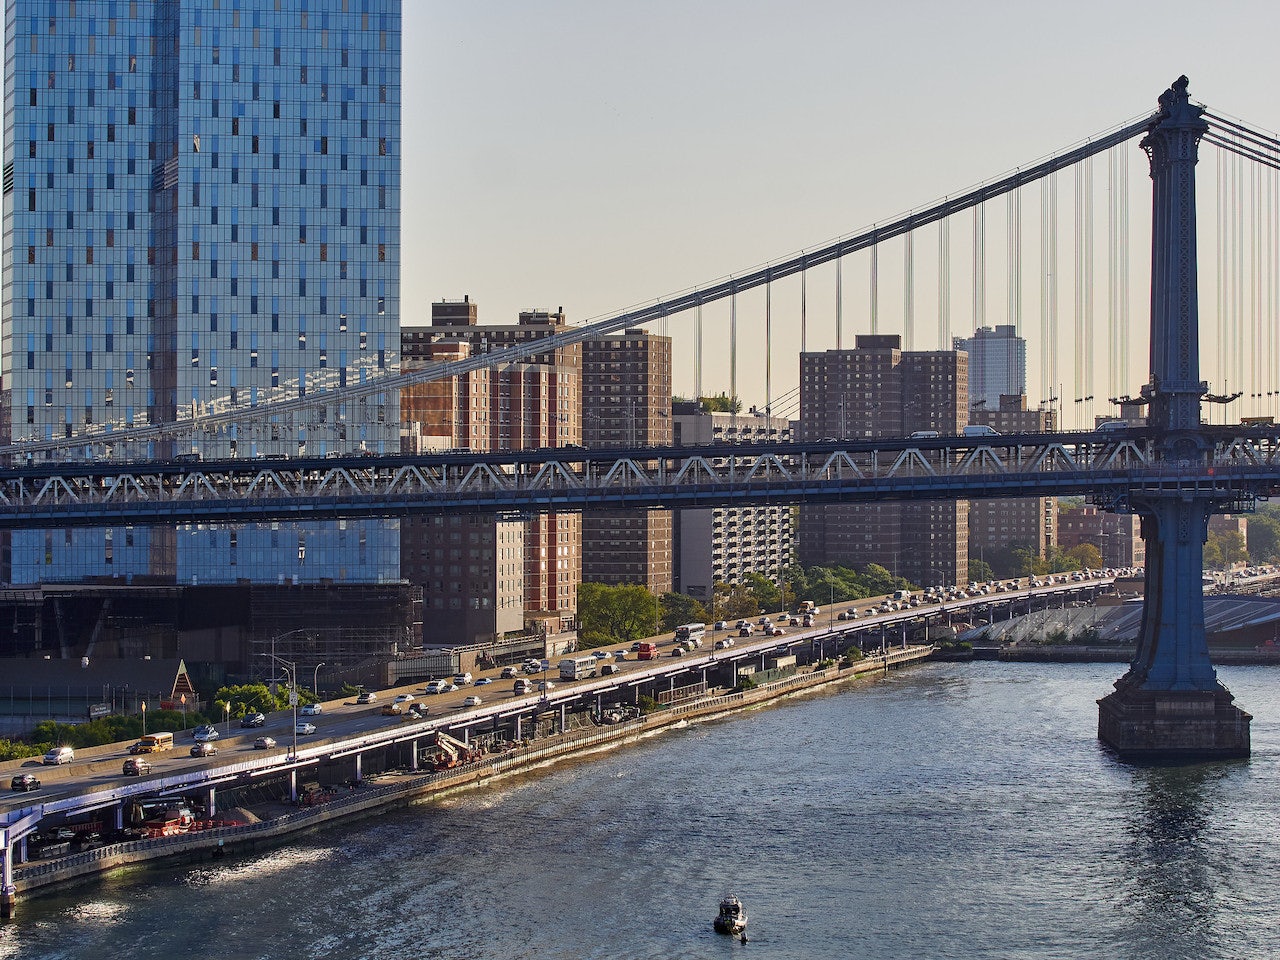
(202, 213)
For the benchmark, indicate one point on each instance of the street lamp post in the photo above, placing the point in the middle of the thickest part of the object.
(226, 713)
(315, 681)
(144, 718)
(291, 672)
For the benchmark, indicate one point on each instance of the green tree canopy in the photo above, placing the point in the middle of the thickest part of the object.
(615, 614)
(678, 608)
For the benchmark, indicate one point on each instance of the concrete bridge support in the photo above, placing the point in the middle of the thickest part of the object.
(1170, 705)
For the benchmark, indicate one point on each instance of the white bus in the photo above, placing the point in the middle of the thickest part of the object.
(693, 632)
(578, 668)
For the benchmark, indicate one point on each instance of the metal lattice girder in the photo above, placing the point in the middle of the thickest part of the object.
(1104, 467)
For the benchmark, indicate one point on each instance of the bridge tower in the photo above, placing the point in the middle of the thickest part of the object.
(1170, 705)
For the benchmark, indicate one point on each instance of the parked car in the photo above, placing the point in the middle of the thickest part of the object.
(472, 701)
(25, 781)
(366, 696)
(252, 720)
(264, 743)
(205, 749)
(206, 732)
(136, 767)
(310, 710)
(58, 755)
(302, 728)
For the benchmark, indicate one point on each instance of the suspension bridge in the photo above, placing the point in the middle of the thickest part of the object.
(1174, 472)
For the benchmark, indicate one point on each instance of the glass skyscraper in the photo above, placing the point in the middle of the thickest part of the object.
(202, 214)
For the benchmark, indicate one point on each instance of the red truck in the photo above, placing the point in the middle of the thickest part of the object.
(647, 651)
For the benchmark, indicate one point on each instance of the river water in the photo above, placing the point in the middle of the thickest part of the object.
(949, 810)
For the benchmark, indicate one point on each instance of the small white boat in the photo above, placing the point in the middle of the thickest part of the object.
(732, 918)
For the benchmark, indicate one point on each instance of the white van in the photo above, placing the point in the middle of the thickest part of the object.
(58, 755)
(979, 430)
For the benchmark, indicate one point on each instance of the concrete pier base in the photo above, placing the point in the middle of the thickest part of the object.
(1171, 726)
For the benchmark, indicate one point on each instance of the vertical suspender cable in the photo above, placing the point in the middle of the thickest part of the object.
(839, 301)
(908, 291)
(944, 283)
(1237, 272)
(979, 266)
(875, 287)
(1089, 312)
(733, 346)
(1123, 348)
(804, 317)
(1220, 257)
(697, 356)
(768, 348)
(1077, 296)
(1113, 279)
(1049, 303)
(1017, 378)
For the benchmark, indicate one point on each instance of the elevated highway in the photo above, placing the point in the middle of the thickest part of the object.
(355, 740)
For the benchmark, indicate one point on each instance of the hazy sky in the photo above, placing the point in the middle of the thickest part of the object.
(595, 155)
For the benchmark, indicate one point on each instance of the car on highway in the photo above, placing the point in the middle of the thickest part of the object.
(462, 679)
(367, 696)
(252, 720)
(25, 781)
(677, 651)
(403, 698)
(58, 755)
(302, 728)
(439, 686)
(205, 749)
(545, 685)
(600, 654)
(472, 701)
(136, 767)
(482, 681)
(418, 709)
(206, 732)
(310, 710)
(264, 743)
(508, 673)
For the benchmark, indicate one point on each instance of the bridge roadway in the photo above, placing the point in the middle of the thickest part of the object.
(94, 788)
(1238, 464)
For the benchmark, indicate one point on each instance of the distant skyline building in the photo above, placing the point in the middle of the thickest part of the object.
(626, 402)
(202, 212)
(1118, 536)
(997, 365)
(879, 390)
(481, 575)
(1031, 522)
(724, 544)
